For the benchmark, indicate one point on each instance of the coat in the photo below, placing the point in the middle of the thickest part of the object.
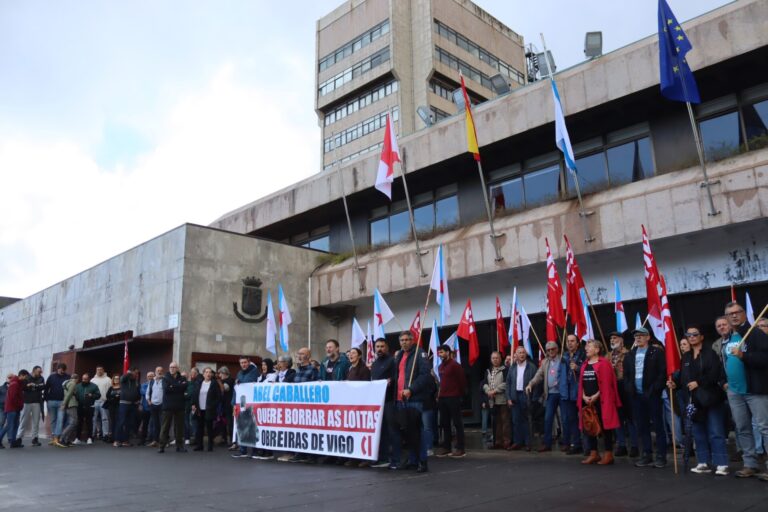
(541, 376)
(422, 383)
(609, 393)
(654, 372)
(359, 372)
(212, 399)
(14, 399)
(528, 374)
(709, 374)
(755, 359)
(496, 382)
(174, 387)
(339, 370)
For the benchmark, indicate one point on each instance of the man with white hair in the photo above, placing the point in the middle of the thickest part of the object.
(548, 374)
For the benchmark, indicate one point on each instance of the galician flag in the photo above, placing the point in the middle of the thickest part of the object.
(358, 336)
(750, 311)
(381, 315)
(638, 321)
(525, 330)
(590, 333)
(389, 155)
(562, 140)
(513, 336)
(271, 325)
(621, 318)
(284, 318)
(434, 343)
(440, 285)
(453, 342)
(469, 122)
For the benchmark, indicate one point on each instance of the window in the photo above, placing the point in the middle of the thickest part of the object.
(477, 52)
(593, 174)
(542, 186)
(508, 195)
(437, 114)
(354, 45)
(721, 136)
(350, 156)
(318, 239)
(445, 91)
(359, 130)
(756, 124)
(355, 71)
(362, 101)
(469, 71)
(390, 228)
(630, 162)
(320, 244)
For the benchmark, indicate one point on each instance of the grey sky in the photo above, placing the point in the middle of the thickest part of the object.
(121, 120)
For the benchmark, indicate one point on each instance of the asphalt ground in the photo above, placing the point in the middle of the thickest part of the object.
(102, 478)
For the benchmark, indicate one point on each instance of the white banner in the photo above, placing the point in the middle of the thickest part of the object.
(325, 418)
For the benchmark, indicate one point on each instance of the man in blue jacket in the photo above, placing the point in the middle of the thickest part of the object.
(335, 365)
(572, 359)
(54, 394)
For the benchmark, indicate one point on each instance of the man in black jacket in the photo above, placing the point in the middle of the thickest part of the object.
(645, 375)
(383, 368)
(130, 397)
(746, 367)
(33, 404)
(174, 386)
(413, 384)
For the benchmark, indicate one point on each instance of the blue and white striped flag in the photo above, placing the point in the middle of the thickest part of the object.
(562, 140)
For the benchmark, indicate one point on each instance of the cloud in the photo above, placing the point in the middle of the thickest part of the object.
(216, 148)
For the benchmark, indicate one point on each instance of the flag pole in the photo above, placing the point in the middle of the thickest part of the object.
(419, 252)
(494, 236)
(582, 213)
(597, 320)
(358, 268)
(541, 347)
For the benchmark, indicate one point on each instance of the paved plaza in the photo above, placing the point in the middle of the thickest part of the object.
(103, 478)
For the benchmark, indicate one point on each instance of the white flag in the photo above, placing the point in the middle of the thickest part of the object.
(358, 336)
(434, 344)
(271, 325)
(750, 311)
(525, 325)
(440, 284)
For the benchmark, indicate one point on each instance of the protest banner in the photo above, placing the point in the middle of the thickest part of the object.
(324, 418)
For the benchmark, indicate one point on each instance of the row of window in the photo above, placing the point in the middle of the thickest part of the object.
(732, 124)
(390, 225)
(350, 156)
(354, 45)
(445, 91)
(600, 164)
(355, 71)
(361, 101)
(484, 55)
(359, 130)
(469, 71)
(437, 114)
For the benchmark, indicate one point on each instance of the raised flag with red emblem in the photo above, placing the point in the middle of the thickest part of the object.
(468, 331)
(389, 155)
(652, 289)
(671, 350)
(574, 283)
(555, 313)
(416, 328)
(126, 358)
(501, 330)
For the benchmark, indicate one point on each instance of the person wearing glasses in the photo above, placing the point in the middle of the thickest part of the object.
(702, 374)
(746, 368)
(548, 375)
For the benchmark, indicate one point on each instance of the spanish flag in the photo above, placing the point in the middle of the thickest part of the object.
(470, 123)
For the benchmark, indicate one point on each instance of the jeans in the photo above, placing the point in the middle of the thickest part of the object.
(569, 413)
(100, 419)
(57, 418)
(484, 413)
(427, 432)
(450, 413)
(30, 412)
(644, 412)
(710, 437)
(155, 420)
(126, 419)
(10, 427)
(553, 402)
(668, 420)
(625, 423)
(520, 419)
(416, 452)
(745, 409)
(177, 418)
(70, 431)
(386, 431)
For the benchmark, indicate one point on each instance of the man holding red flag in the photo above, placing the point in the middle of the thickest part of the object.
(468, 331)
(555, 314)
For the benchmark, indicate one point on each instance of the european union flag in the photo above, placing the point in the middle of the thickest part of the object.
(677, 81)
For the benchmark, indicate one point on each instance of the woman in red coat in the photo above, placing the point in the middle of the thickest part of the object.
(597, 385)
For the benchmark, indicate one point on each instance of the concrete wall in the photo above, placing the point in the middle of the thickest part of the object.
(136, 290)
(215, 264)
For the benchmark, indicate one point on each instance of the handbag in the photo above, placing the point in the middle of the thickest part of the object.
(590, 421)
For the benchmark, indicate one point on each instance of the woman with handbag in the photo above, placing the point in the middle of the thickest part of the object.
(599, 404)
(703, 375)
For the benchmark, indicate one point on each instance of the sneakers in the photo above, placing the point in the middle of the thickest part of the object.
(746, 472)
(723, 471)
(234, 447)
(35, 442)
(186, 442)
(380, 464)
(89, 441)
(442, 452)
(77, 441)
(239, 455)
(172, 443)
(661, 462)
(456, 454)
(703, 469)
(645, 462)
(59, 444)
(763, 477)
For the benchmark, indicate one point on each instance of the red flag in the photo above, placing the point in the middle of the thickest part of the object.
(389, 155)
(515, 328)
(671, 350)
(573, 285)
(126, 359)
(652, 289)
(468, 331)
(416, 328)
(501, 331)
(555, 314)
(733, 293)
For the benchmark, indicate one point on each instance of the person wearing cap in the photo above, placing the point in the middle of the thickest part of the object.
(569, 395)
(597, 387)
(618, 354)
(453, 387)
(645, 377)
(519, 375)
(548, 375)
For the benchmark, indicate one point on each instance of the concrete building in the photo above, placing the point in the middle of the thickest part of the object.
(374, 56)
(637, 161)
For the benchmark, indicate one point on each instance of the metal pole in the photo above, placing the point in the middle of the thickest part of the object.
(349, 221)
(582, 213)
(419, 253)
(494, 236)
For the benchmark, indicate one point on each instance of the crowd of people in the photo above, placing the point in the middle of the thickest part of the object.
(621, 399)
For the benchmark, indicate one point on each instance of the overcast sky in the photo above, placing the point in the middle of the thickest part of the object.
(121, 120)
